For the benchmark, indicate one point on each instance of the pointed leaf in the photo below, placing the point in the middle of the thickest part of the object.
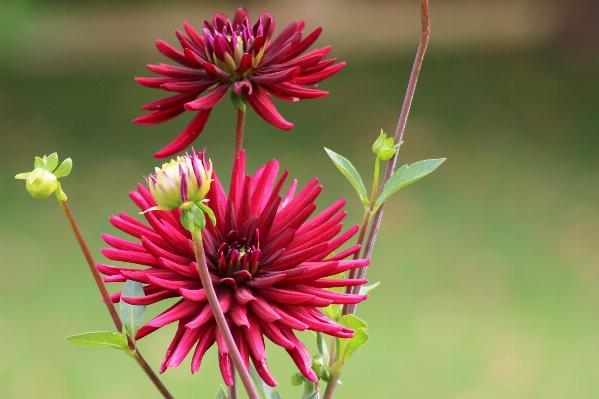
(100, 338)
(132, 315)
(64, 169)
(266, 391)
(221, 394)
(407, 175)
(39, 163)
(308, 390)
(350, 173)
(365, 289)
(322, 347)
(313, 396)
(51, 162)
(59, 193)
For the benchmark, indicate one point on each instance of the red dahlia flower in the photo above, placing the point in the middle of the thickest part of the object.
(243, 57)
(268, 265)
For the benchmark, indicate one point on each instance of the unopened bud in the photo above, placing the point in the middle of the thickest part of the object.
(40, 183)
(384, 147)
(43, 180)
(180, 183)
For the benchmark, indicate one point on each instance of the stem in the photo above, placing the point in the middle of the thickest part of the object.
(239, 131)
(335, 371)
(218, 314)
(332, 384)
(399, 131)
(109, 305)
(233, 388)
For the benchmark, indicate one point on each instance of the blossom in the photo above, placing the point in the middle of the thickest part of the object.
(243, 57)
(270, 267)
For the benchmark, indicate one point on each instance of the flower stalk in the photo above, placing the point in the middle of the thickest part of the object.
(218, 314)
(337, 366)
(239, 130)
(109, 305)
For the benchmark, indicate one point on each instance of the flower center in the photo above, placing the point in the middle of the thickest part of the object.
(238, 259)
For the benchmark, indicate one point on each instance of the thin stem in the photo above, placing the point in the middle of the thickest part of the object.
(232, 394)
(331, 385)
(399, 131)
(239, 131)
(109, 305)
(219, 316)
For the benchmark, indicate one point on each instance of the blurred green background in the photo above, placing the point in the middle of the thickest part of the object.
(489, 267)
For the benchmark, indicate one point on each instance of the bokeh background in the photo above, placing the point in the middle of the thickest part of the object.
(489, 267)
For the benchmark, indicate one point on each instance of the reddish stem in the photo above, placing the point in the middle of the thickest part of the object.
(239, 132)
(109, 305)
(401, 126)
(219, 316)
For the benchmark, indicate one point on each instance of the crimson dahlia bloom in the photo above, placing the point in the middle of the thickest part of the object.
(268, 265)
(241, 56)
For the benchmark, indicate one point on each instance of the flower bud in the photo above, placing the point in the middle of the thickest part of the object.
(180, 183)
(43, 180)
(384, 147)
(40, 183)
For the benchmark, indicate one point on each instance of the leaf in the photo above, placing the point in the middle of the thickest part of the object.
(365, 289)
(100, 338)
(350, 173)
(51, 162)
(350, 345)
(221, 394)
(322, 347)
(333, 311)
(266, 391)
(308, 389)
(313, 396)
(132, 315)
(64, 169)
(406, 175)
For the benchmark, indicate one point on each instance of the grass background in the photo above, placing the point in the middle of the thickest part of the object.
(489, 267)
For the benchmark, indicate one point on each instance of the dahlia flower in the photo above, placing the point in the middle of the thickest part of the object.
(243, 57)
(269, 265)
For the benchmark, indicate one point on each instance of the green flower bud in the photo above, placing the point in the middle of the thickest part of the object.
(43, 180)
(180, 183)
(297, 379)
(384, 147)
(40, 183)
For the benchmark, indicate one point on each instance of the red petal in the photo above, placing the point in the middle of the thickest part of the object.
(169, 102)
(209, 100)
(265, 108)
(157, 117)
(191, 132)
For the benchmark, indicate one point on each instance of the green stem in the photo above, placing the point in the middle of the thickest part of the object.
(221, 322)
(109, 305)
(239, 131)
(335, 373)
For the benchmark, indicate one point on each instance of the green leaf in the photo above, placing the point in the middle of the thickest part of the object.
(322, 347)
(308, 389)
(51, 162)
(360, 337)
(39, 163)
(313, 396)
(350, 173)
(64, 169)
(221, 394)
(266, 391)
(334, 311)
(132, 315)
(100, 338)
(59, 193)
(365, 289)
(406, 175)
